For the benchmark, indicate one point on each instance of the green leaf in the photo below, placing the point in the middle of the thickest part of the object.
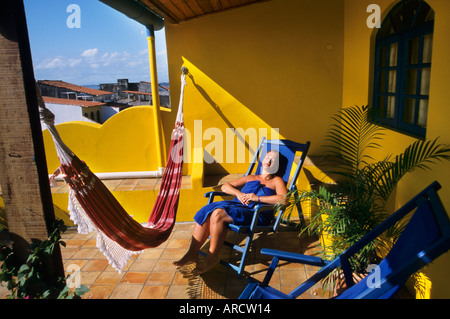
(64, 292)
(81, 290)
(46, 293)
(23, 270)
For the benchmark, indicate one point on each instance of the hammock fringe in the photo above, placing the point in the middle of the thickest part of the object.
(116, 255)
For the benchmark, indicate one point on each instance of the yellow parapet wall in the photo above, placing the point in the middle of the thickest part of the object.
(125, 143)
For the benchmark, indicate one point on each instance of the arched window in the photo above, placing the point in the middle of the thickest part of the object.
(403, 50)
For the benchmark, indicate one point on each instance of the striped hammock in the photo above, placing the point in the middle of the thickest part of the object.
(92, 207)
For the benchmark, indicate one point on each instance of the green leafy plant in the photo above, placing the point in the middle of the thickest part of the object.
(26, 281)
(349, 210)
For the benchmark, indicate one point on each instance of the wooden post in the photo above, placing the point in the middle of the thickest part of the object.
(23, 168)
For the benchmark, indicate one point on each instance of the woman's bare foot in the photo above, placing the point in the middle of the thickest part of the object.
(188, 258)
(210, 262)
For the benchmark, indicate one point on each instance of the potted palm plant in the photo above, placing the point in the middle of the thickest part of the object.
(349, 210)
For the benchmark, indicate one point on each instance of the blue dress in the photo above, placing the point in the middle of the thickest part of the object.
(241, 214)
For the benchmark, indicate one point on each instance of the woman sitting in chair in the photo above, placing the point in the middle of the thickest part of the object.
(212, 220)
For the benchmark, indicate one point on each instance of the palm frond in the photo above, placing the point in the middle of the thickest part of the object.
(418, 155)
(350, 136)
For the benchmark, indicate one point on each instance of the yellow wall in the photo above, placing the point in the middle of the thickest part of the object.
(277, 64)
(357, 90)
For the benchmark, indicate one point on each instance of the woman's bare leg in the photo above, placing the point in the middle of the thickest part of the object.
(218, 223)
(199, 236)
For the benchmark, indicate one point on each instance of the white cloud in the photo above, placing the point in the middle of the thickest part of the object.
(74, 62)
(55, 63)
(109, 58)
(58, 63)
(89, 53)
(93, 64)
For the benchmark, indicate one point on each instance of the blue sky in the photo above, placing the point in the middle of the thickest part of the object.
(107, 46)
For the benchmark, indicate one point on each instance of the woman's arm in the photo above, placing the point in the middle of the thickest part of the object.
(280, 189)
(272, 199)
(231, 188)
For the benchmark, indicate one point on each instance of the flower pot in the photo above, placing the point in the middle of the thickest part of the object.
(326, 240)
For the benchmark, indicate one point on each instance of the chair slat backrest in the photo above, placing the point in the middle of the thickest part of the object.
(288, 150)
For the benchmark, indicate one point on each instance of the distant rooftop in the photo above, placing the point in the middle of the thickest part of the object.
(82, 103)
(74, 87)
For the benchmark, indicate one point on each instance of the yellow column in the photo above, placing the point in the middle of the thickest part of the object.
(155, 98)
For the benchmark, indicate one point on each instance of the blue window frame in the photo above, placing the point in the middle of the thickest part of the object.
(403, 50)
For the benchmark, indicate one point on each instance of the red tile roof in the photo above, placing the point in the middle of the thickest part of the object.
(74, 87)
(82, 103)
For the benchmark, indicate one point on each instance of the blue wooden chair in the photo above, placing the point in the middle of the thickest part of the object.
(288, 150)
(425, 237)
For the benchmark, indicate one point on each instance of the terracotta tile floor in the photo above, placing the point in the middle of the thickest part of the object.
(129, 184)
(132, 184)
(151, 274)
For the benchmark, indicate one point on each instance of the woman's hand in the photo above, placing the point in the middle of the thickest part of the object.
(247, 199)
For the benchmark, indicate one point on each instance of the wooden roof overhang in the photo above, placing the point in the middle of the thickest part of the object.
(155, 12)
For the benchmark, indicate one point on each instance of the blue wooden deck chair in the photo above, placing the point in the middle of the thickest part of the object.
(289, 150)
(425, 237)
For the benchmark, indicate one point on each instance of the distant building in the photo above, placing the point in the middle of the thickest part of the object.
(70, 102)
(64, 90)
(68, 110)
(136, 93)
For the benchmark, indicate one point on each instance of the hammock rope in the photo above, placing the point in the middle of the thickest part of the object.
(92, 207)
